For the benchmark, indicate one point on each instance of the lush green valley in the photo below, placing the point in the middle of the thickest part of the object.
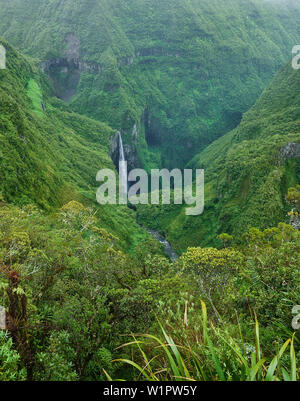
(189, 84)
(248, 172)
(172, 75)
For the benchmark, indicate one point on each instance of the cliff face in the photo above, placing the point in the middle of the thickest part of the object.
(195, 66)
(64, 72)
(47, 152)
(130, 152)
(295, 222)
(247, 172)
(290, 151)
(173, 76)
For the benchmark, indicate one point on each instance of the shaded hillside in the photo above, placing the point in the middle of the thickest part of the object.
(43, 144)
(173, 75)
(50, 155)
(248, 171)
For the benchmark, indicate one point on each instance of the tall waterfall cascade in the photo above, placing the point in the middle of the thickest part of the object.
(122, 169)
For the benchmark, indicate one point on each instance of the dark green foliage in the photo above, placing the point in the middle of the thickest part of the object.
(52, 156)
(82, 292)
(247, 172)
(182, 71)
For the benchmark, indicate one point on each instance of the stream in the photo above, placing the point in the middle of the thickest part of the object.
(168, 249)
(123, 173)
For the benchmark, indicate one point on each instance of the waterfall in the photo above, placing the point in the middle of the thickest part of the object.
(121, 149)
(122, 169)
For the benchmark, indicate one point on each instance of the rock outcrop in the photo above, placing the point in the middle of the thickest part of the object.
(65, 71)
(290, 151)
(130, 153)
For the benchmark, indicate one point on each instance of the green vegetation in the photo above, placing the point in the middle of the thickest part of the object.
(34, 162)
(184, 363)
(78, 280)
(35, 94)
(183, 72)
(52, 156)
(72, 294)
(248, 172)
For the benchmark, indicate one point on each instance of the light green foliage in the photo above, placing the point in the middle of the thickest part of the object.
(9, 360)
(226, 239)
(293, 196)
(35, 94)
(203, 361)
(213, 273)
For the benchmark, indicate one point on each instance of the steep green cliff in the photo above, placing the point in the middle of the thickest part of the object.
(174, 75)
(50, 155)
(247, 172)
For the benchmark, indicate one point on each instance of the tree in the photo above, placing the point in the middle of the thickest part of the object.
(213, 271)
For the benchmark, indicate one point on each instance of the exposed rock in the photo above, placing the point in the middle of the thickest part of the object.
(72, 51)
(65, 71)
(2, 318)
(63, 65)
(2, 57)
(131, 156)
(146, 52)
(94, 68)
(125, 61)
(295, 222)
(157, 51)
(290, 151)
(114, 148)
(130, 152)
(135, 133)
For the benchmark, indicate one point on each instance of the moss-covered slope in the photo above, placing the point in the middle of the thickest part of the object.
(177, 73)
(248, 171)
(50, 155)
(45, 148)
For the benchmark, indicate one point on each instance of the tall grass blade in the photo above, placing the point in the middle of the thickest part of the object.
(180, 362)
(293, 362)
(276, 359)
(172, 362)
(210, 344)
(135, 365)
